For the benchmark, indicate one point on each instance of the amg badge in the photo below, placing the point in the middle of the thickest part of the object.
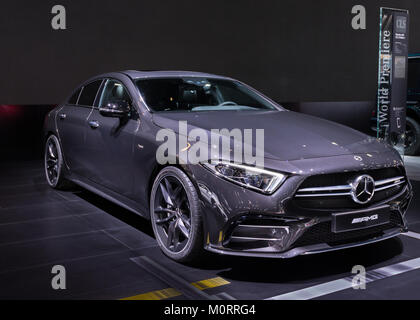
(365, 219)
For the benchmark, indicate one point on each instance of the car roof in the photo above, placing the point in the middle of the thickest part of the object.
(135, 74)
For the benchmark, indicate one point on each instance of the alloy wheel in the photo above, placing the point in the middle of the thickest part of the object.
(52, 164)
(171, 214)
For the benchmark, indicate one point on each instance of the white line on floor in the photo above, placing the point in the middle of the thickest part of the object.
(411, 234)
(346, 283)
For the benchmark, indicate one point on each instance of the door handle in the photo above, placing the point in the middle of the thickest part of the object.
(63, 116)
(94, 124)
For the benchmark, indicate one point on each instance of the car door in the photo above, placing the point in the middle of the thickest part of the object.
(71, 123)
(111, 141)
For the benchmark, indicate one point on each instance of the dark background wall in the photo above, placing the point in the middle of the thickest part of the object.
(21, 135)
(291, 50)
(296, 51)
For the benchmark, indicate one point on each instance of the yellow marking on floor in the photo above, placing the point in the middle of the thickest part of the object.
(171, 292)
(210, 283)
(156, 295)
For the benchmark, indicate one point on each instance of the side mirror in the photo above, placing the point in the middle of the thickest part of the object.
(115, 109)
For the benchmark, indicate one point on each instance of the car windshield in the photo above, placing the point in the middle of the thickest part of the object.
(199, 94)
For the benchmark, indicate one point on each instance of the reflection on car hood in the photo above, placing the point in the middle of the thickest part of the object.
(287, 135)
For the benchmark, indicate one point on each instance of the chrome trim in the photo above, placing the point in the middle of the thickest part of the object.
(380, 185)
(261, 226)
(385, 181)
(389, 186)
(323, 194)
(253, 238)
(343, 187)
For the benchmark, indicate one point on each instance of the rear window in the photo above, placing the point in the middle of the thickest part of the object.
(75, 96)
(87, 98)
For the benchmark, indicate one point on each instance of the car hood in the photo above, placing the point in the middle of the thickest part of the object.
(287, 135)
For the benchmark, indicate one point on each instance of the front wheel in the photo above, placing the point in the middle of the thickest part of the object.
(175, 215)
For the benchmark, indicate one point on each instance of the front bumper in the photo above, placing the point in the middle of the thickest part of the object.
(241, 222)
(309, 235)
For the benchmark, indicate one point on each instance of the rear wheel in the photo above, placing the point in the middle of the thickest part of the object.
(412, 137)
(175, 215)
(53, 162)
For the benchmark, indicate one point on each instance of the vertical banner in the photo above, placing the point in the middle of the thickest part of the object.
(392, 76)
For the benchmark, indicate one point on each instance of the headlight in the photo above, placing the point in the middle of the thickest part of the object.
(250, 177)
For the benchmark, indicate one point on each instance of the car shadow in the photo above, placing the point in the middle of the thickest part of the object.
(265, 270)
(116, 211)
(308, 267)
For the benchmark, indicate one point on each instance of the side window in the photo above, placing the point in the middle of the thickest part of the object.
(114, 91)
(75, 97)
(87, 98)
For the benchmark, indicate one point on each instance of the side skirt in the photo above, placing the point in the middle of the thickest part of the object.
(109, 195)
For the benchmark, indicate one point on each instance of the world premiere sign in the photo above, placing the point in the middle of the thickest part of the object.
(392, 73)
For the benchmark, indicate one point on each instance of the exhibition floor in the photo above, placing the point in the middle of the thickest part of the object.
(110, 253)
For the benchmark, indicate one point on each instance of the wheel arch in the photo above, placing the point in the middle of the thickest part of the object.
(159, 167)
(47, 134)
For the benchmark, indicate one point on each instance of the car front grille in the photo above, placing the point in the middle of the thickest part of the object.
(333, 191)
(321, 233)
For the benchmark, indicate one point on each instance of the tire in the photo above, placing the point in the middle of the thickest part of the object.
(175, 215)
(412, 144)
(53, 164)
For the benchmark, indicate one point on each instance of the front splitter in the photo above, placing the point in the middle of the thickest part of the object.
(306, 250)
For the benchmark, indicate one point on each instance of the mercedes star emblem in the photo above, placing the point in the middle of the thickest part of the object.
(362, 189)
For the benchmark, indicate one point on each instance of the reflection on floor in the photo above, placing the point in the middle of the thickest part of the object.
(101, 244)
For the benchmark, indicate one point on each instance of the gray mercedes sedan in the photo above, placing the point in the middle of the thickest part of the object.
(312, 185)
